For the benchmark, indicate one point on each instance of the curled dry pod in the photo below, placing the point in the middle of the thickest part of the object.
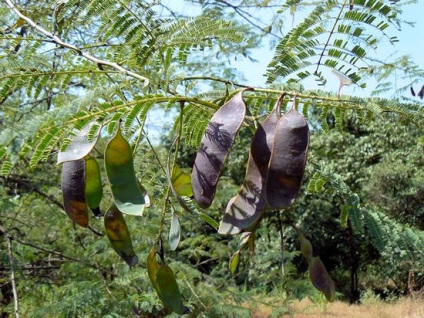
(246, 209)
(73, 190)
(128, 194)
(288, 160)
(215, 146)
(93, 185)
(119, 236)
(321, 279)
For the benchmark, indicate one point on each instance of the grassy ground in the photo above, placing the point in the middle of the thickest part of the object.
(403, 308)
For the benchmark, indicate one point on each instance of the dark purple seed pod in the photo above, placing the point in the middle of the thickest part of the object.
(288, 160)
(245, 210)
(215, 147)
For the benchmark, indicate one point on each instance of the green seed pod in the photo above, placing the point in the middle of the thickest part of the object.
(119, 236)
(126, 191)
(93, 185)
(288, 160)
(169, 291)
(246, 209)
(73, 190)
(215, 146)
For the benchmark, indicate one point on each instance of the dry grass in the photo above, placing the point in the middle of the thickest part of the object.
(404, 308)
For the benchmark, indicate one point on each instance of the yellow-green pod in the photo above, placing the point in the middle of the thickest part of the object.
(152, 269)
(73, 190)
(121, 175)
(119, 236)
(93, 185)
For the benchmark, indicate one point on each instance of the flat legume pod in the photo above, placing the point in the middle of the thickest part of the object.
(73, 189)
(288, 160)
(215, 146)
(246, 209)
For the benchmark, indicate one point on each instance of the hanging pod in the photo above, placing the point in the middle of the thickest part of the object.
(130, 197)
(73, 191)
(246, 209)
(93, 185)
(215, 147)
(288, 159)
(119, 236)
(163, 280)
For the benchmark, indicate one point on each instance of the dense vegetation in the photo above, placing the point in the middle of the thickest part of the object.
(71, 64)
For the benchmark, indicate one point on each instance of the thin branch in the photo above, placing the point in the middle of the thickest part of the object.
(61, 43)
(12, 270)
(329, 36)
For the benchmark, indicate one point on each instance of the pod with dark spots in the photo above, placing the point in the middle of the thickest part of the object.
(73, 190)
(215, 146)
(128, 194)
(93, 185)
(119, 236)
(288, 160)
(246, 209)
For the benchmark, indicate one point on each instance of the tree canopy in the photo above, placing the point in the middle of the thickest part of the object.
(82, 81)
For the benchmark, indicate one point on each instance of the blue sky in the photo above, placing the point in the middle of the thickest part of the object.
(409, 44)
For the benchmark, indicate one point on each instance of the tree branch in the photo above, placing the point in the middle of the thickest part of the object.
(61, 43)
(12, 270)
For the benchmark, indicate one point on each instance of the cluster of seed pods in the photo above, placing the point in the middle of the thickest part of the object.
(274, 173)
(275, 166)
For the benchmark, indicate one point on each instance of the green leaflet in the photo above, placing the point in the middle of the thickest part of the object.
(93, 185)
(80, 146)
(119, 236)
(128, 195)
(72, 183)
(320, 278)
(174, 233)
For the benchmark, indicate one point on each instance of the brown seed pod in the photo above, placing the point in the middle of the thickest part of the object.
(73, 189)
(288, 160)
(215, 146)
(246, 209)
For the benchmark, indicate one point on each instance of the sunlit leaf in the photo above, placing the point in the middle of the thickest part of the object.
(80, 146)
(306, 248)
(121, 175)
(119, 236)
(174, 233)
(73, 190)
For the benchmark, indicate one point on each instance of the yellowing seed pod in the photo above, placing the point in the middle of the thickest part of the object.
(288, 160)
(119, 236)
